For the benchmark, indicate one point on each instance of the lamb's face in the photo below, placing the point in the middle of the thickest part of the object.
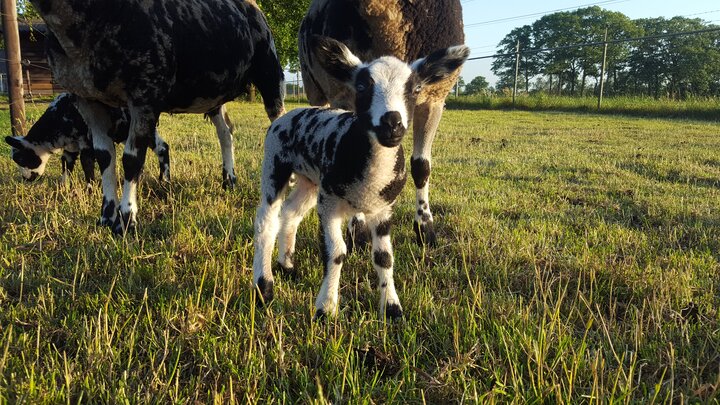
(386, 90)
(31, 161)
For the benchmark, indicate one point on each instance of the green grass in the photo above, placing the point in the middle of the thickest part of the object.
(707, 109)
(570, 243)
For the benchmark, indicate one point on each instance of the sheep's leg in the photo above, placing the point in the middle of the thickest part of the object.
(383, 262)
(425, 124)
(142, 129)
(68, 164)
(218, 116)
(162, 151)
(97, 117)
(275, 177)
(302, 198)
(87, 162)
(357, 233)
(333, 252)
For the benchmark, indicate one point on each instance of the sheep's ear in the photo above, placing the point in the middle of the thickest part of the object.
(335, 58)
(15, 142)
(440, 64)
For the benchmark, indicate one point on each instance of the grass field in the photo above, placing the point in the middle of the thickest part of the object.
(570, 248)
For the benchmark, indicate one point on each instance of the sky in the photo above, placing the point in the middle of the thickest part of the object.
(487, 22)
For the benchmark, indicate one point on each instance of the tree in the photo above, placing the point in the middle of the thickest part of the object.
(504, 67)
(284, 18)
(477, 85)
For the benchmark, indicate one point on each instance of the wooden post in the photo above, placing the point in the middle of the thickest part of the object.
(602, 71)
(517, 70)
(15, 79)
(29, 84)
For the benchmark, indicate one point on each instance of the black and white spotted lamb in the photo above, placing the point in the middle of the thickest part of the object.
(61, 128)
(345, 162)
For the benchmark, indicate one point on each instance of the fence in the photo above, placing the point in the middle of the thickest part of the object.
(604, 43)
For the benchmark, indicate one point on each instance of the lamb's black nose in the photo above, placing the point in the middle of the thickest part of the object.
(392, 120)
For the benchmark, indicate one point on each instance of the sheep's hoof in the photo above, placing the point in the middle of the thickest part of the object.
(393, 312)
(229, 180)
(425, 234)
(124, 223)
(358, 236)
(288, 272)
(265, 288)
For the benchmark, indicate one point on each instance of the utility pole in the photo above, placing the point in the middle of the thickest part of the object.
(602, 70)
(517, 70)
(15, 80)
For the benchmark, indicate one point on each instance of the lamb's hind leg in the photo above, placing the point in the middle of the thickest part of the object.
(218, 116)
(302, 198)
(389, 304)
(275, 177)
(425, 124)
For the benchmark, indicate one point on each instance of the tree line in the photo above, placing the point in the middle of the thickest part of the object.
(674, 66)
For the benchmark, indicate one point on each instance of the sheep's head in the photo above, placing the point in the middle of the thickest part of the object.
(31, 160)
(386, 89)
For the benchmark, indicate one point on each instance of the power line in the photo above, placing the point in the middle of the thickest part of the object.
(519, 17)
(613, 41)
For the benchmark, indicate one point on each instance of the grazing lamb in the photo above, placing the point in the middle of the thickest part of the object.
(405, 29)
(345, 162)
(61, 127)
(153, 56)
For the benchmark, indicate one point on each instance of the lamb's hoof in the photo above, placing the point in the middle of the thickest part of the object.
(164, 177)
(393, 312)
(103, 221)
(265, 288)
(425, 234)
(358, 236)
(320, 316)
(289, 273)
(125, 223)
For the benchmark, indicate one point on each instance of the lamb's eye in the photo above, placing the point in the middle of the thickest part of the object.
(417, 89)
(360, 87)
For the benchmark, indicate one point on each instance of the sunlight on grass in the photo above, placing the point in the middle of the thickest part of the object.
(570, 248)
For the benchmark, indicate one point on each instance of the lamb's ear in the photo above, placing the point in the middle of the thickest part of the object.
(15, 142)
(441, 63)
(335, 58)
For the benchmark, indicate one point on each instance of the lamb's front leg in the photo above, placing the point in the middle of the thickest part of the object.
(382, 253)
(333, 250)
(68, 164)
(142, 130)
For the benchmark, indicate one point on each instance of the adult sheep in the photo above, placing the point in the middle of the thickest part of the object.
(406, 29)
(153, 56)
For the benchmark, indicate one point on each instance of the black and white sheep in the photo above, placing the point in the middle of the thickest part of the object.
(345, 162)
(406, 29)
(61, 128)
(153, 56)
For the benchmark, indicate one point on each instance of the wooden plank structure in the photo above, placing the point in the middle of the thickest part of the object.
(37, 77)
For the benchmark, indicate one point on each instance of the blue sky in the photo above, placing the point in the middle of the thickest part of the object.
(483, 37)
